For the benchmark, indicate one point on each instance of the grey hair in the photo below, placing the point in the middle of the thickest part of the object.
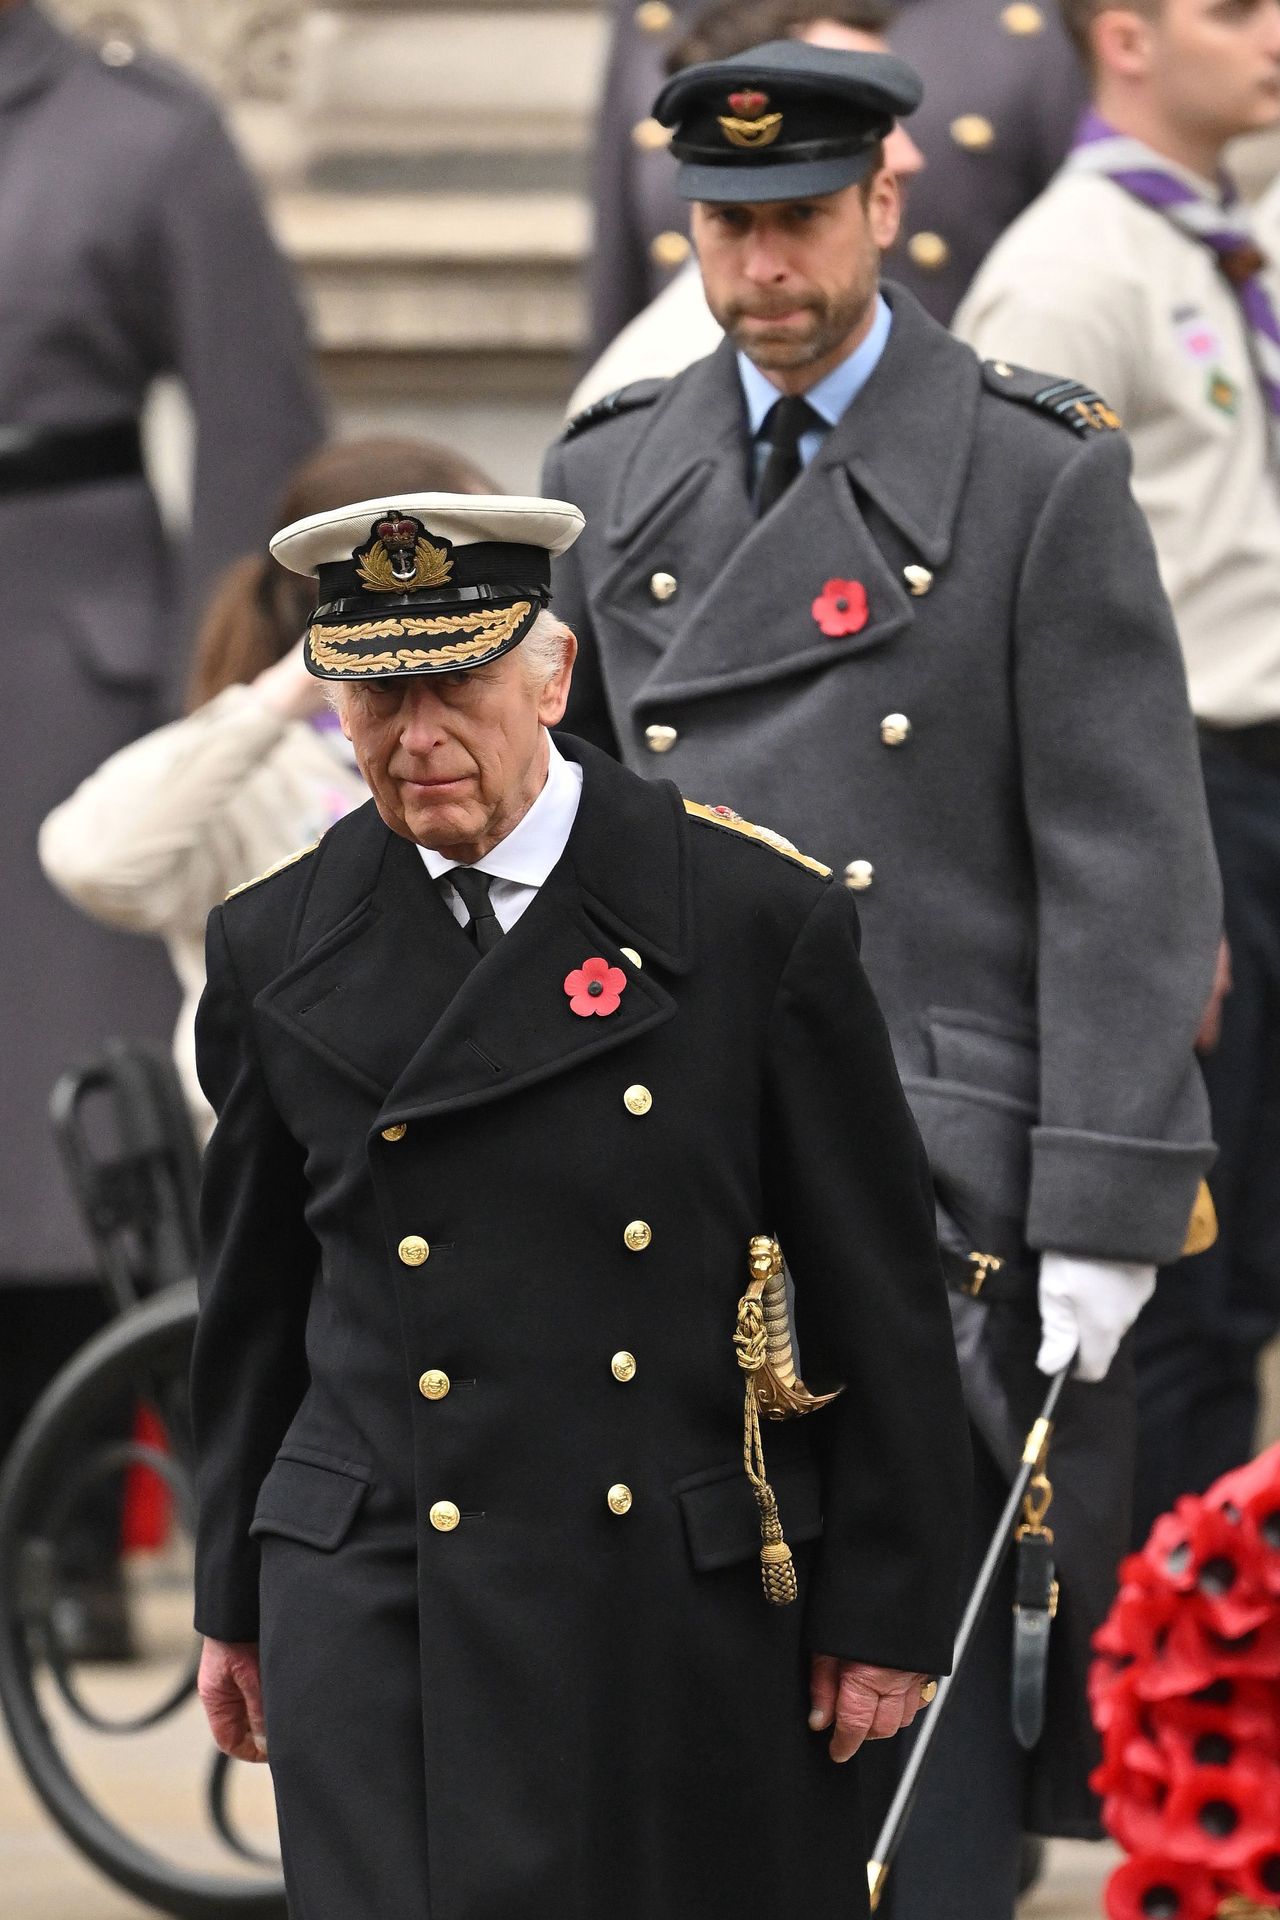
(542, 652)
(544, 647)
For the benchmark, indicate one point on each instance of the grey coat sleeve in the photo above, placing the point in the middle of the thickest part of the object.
(588, 714)
(233, 332)
(1129, 901)
(849, 1194)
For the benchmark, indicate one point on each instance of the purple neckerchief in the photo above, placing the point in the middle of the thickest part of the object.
(1216, 223)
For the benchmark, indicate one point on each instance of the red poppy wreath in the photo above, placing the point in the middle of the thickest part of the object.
(1185, 1693)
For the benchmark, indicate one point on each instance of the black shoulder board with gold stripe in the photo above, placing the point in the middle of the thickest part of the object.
(641, 393)
(734, 823)
(278, 867)
(1078, 407)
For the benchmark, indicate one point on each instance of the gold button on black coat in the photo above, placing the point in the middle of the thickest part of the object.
(413, 1250)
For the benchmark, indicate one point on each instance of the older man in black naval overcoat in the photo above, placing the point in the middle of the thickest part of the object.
(511, 1072)
(901, 605)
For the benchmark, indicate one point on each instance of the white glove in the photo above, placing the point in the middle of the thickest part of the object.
(1086, 1308)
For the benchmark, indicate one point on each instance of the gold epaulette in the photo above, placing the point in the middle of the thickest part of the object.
(1202, 1229)
(277, 867)
(734, 823)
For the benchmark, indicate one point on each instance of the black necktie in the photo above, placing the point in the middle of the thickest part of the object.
(472, 887)
(785, 423)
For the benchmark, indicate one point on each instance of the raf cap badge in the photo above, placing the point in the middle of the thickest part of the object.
(747, 124)
(783, 121)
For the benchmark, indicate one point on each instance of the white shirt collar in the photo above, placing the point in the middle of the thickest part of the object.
(536, 842)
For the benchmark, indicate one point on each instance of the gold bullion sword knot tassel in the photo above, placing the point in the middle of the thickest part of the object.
(762, 1342)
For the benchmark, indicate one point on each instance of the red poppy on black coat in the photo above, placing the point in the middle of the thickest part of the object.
(841, 608)
(1219, 1817)
(595, 987)
(1154, 1888)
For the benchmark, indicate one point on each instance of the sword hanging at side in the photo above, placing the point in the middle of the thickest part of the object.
(1023, 1515)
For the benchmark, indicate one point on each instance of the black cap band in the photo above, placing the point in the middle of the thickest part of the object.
(796, 153)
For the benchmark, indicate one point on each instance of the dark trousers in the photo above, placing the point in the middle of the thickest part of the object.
(1198, 1341)
(962, 1853)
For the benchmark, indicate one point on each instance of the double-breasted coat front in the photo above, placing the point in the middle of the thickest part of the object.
(982, 724)
(468, 1414)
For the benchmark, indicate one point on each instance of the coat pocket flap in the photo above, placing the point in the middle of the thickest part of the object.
(301, 1500)
(722, 1521)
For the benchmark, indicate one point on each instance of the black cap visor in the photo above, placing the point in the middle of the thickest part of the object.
(784, 179)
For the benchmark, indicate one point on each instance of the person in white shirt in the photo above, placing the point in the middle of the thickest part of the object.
(1138, 273)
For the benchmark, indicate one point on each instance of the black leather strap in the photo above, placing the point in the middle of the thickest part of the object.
(33, 459)
(1034, 1604)
(983, 1277)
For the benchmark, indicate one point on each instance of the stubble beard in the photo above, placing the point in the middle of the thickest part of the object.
(833, 322)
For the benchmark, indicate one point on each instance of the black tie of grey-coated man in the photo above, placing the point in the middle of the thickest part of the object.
(785, 424)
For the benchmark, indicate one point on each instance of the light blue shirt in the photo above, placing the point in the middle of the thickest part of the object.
(833, 395)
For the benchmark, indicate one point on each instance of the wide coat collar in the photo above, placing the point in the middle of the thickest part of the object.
(34, 53)
(681, 507)
(385, 987)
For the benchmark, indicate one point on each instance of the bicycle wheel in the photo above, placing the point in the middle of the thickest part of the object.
(79, 1727)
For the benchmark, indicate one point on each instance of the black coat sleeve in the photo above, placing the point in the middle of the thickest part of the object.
(851, 1201)
(258, 1262)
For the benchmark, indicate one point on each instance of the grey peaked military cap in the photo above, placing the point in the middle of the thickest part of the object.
(785, 121)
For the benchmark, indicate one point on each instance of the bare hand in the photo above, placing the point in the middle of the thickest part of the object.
(288, 689)
(230, 1688)
(861, 1702)
(1211, 1019)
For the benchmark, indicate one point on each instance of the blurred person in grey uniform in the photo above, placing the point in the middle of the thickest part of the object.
(1003, 90)
(1138, 272)
(842, 577)
(132, 245)
(678, 327)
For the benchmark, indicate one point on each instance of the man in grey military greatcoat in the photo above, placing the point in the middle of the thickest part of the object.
(847, 579)
(131, 245)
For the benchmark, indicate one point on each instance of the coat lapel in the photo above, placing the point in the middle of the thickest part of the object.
(387, 989)
(742, 613)
(379, 956)
(621, 882)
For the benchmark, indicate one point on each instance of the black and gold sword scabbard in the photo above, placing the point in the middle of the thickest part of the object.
(762, 1342)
